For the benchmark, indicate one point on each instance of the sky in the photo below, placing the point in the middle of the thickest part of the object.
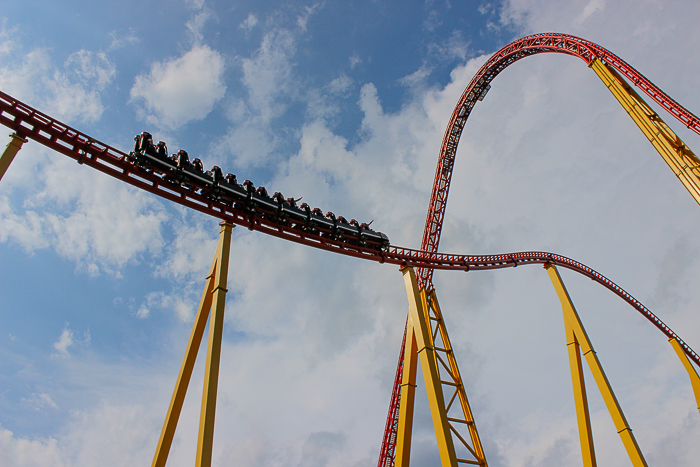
(345, 104)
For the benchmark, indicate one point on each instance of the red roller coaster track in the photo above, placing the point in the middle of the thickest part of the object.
(30, 123)
(475, 91)
(511, 53)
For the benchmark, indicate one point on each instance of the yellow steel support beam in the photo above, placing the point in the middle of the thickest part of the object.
(13, 147)
(216, 283)
(582, 413)
(604, 386)
(426, 352)
(407, 398)
(694, 378)
(684, 163)
(211, 371)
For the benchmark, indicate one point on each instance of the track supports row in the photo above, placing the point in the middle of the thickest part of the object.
(427, 341)
(214, 299)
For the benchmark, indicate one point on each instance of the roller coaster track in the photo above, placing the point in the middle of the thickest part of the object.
(474, 92)
(28, 122)
(32, 124)
(479, 85)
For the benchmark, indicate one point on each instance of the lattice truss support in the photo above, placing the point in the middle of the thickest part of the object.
(426, 339)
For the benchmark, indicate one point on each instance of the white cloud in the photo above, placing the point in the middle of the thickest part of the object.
(95, 221)
(20, 452)
(196, 25)
(111, 434)
(539, 166)
(249, 23)
(180, 90)
(119, 41)
(70, 94)
(36, 80)
(354, 60)
(7, 44)
(73, 101)
(193, 246)
(91, 67)
(432, 21)
(340, 85)
(25, 229)
(267, 76)
(39, 402)
(181, 305)
(417, 77)
(309, 11)
(592, 6)
(451, 49)
(64, 342)
(270, 86)
(195, 4)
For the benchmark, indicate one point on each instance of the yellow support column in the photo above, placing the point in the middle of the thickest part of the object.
(604, 386)
(684, 163)
(217, 273)
(694, 378)
(408, 393)
(211, 371)
(10, 152)
(582, 413)
(426, 352)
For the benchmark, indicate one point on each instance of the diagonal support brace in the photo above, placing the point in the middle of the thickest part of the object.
(582, 413)
(694, 378)
(213, 298)
(570, 314)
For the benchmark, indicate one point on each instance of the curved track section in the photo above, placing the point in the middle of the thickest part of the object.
(30, 123)
(53, 134)
(479, 85)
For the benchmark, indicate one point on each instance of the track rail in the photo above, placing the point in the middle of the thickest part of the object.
(479, 85)
(474, 92)
(32, 124)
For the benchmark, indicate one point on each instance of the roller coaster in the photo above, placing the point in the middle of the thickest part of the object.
(149, 167)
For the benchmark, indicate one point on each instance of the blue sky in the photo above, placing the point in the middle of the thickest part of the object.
(345, 104)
